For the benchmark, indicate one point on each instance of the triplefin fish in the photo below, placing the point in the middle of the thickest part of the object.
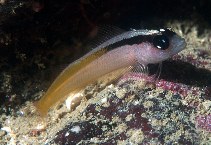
(131, 48)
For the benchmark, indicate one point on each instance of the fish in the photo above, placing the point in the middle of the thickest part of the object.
(133, 48)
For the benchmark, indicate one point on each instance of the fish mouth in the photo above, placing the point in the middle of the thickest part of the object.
(178, 44)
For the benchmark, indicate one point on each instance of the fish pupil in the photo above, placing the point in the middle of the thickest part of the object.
(161, 42)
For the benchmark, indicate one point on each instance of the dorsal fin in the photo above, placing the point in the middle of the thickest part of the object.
(102, 34)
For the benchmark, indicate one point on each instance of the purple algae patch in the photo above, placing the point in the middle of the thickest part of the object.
(75, 132)
(204, 122)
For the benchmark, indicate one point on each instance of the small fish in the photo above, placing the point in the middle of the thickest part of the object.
(131, 48)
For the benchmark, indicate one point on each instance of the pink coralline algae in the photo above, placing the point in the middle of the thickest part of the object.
(174, 87)
(193, 60)
(177, 88)
(204, 122)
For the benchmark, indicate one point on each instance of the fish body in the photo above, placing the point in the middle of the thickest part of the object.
(135, 47)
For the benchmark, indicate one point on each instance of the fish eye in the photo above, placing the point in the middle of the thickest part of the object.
(161, 42)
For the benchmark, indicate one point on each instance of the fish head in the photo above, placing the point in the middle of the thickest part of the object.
(161, 46)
